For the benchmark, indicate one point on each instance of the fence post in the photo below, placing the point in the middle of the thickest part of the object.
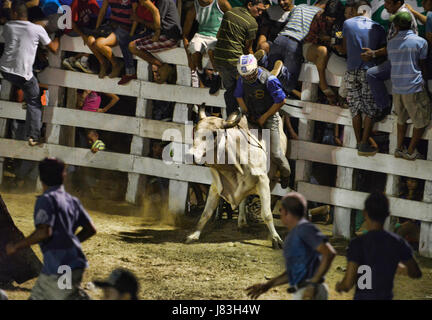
(344, 180)
(425, 243)
(5, 93)
(139, 145)
(178, 190)
(393, 181)
(303, 168)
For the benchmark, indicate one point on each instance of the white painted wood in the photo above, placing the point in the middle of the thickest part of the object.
(425, 242)
(347, 157)
(392, 183)
(55, 99)
(5, 93)
(344, 179)
(309, 91)
(178, 190)
(355, 200)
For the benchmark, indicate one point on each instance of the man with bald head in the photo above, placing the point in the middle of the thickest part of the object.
(307, 252)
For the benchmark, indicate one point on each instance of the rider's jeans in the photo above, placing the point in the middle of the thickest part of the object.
(277, 156)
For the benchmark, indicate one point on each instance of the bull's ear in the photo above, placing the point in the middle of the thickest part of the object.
(233, 120)
(202, 114)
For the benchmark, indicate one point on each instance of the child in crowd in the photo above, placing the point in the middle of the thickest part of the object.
(166, 35)
(381, 251)
(83, 25)
(94, 142)
(208, 14)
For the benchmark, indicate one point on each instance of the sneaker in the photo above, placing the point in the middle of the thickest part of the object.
(365, 149)
(84, 66)
(69, 63)
(127, 78)
(400, 153)
(277, 68)
(215, 84)
(204, 79)
(413, 156)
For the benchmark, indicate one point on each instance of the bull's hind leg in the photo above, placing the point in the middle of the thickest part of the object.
(266, 213)
(211, 204)
(242, 222)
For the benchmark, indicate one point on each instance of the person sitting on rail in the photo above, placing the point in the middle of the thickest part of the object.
(83, 25)
(208, 14)
(166, 34)
(260, 95)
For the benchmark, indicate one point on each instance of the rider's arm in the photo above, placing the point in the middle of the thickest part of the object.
(275, 89)
(238, 94)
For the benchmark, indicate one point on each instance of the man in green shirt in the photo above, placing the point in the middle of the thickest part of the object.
(236, 34)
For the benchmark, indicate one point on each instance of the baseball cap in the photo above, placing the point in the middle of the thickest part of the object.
(402, 19)
(122, 280)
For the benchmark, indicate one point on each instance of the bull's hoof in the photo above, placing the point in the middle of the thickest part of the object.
(194, 237)
(277, 243)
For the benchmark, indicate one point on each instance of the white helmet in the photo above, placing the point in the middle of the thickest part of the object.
(247, 65)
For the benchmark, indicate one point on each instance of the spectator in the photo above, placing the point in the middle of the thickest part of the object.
(361, 32)
(21, 41)
(308, 255)
(115, 31)
(427, 21)
(381, 251)
(91, 101)
(378, 74)
(83, 25)
(288, 44)
(57, 216)
(259, 94)
(208, 14)
(166, 35)
(318, 41)
(94, 142)
(407, 53)
(120, 285)
(235, 37)
(273, 21)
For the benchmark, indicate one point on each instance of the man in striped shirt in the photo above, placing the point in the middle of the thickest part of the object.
(407, 53)
(236, 34)
(289, 43)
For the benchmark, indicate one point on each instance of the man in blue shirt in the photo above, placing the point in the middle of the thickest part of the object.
(378, 253)
(361, 32)
(260, 95)
(308, 255)
(407, 53)
(57, 217)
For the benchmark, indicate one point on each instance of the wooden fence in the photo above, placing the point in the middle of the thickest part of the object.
(138, 165)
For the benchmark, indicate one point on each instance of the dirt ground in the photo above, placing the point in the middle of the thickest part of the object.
(221, 266)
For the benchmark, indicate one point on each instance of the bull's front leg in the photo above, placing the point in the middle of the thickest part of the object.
(242, 222)
(263, 187)
(211, 204)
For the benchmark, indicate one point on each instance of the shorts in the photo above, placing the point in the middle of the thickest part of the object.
(47, 288)
(305, 49)
(201, 43)
(148, 45)
(359, 96)
(416, 106)
(107, 28)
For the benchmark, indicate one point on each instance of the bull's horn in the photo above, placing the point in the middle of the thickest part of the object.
(202, 114)
(233, 120)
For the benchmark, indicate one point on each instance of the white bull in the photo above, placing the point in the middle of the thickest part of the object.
(234, 182)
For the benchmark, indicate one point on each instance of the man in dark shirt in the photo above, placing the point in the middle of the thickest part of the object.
(57, 217)
(236, 35)
(308, 255)
(379, 253)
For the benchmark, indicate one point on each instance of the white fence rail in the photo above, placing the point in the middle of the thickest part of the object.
(138, 165)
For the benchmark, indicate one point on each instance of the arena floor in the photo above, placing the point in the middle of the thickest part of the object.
(221, 266)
